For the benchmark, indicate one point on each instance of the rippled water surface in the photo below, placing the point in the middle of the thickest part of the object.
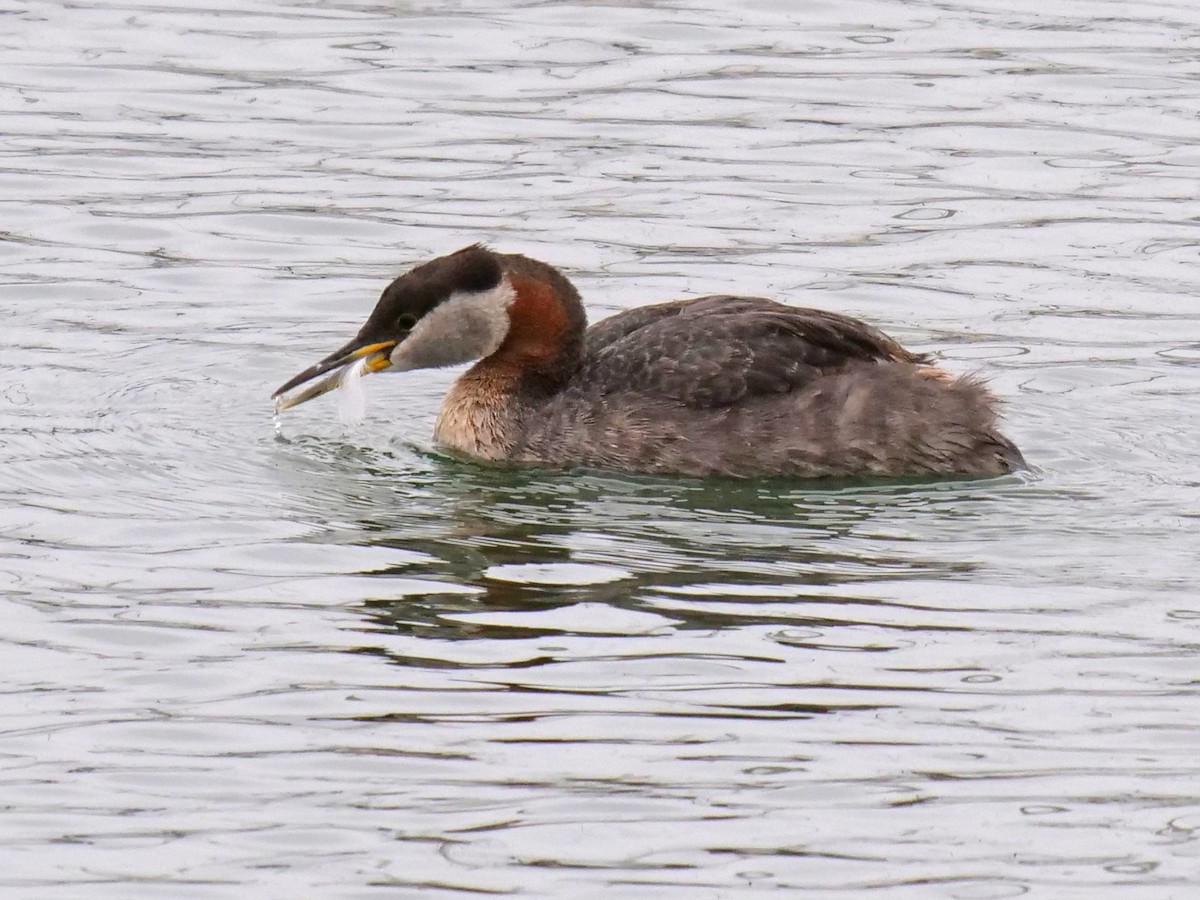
(331, 662)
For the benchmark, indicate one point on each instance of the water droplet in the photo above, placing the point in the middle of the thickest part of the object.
(1083, 162)
(755, 875)
(926, 214)
(352, 401)
(1186, 824)
(556, 573)
(991, 890)
(1132, 868)
(1187, 353)
(800, 637)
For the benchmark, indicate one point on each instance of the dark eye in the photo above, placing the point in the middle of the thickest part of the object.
(406, 322)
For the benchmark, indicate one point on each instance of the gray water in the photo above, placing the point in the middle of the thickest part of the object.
(331, 662)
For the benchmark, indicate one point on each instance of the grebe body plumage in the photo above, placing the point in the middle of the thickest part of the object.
(719, 385)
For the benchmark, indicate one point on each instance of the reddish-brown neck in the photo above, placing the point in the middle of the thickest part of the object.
(489, 405)
(545, 333)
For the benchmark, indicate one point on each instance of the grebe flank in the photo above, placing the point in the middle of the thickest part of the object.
(737, 386)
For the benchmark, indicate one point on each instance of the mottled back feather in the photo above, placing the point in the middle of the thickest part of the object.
(717, 351)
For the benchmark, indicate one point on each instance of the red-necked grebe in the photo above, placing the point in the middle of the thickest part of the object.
(718, 385)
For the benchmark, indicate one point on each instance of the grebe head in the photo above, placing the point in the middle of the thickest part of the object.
(447, 311)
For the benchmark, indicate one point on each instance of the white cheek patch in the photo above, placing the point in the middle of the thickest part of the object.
(463, 327)
(352, 401)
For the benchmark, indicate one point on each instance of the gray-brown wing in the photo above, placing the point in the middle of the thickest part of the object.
(715, 351)
(608, 331)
